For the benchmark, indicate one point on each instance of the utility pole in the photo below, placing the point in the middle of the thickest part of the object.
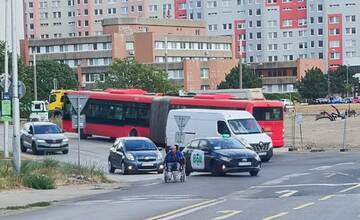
(166, 56)
(15, 84)
(347, 80)
(6, 84)
(240, 67)
(35, 77)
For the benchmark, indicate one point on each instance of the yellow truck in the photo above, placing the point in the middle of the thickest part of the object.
(56, 103)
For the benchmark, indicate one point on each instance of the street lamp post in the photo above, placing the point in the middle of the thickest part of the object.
(347, 80)
(6, 78)
(15, 98)
(35, 77)
(240, 66)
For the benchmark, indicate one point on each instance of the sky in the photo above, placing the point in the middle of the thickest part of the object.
(19, 20)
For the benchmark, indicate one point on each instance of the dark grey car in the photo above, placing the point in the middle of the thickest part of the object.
(43, 137)
(135, 154)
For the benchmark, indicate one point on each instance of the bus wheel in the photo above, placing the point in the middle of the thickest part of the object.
(133, 133)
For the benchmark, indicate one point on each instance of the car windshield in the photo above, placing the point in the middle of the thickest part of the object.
(244, 126)
(47, 129)
(225, 143)
(139, 145)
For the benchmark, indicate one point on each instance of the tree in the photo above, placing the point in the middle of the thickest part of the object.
(232, 79)
(338, 80)
(313, 85)
(127, 73)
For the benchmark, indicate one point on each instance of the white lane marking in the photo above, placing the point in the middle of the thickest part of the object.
(186, 210)
(284, 178)
(151, 184)
(329, 175)
(326, 197)
(309, 184)
(227, 214)
(350, 188)
(347, 163)
(276, 216)
(304, 206)
(92, 202)
(321, 168)
(288, 193)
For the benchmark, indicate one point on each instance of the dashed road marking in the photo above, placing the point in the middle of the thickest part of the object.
(304, 206)
(329, 175)
(350, 188)
(284, 178)
(186, 210)
(276, 216)
(326, 197)
(347, 163)
(288, 193)
(321, 168)
(227, 214)
(151, 184)
(305, 184)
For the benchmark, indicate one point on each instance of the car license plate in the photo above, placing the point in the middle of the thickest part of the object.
(55, 145)
(262, 153)
(147, 164)
(244, 163)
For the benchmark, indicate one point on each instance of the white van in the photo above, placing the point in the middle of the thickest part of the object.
(183, 125)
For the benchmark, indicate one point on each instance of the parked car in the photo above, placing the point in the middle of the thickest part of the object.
(348, 100)
(135, 154)
(220, 155)
(287, 102)
(43, 137)
(356, 99)
(321, 101)
(335, 100)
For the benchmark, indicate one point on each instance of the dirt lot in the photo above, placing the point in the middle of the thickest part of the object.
(324, 133)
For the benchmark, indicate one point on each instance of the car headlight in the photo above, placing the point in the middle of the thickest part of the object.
(65, 140)
(129, 156)
(257, 157)
(227, 159)
(270, 145)
(40, 141)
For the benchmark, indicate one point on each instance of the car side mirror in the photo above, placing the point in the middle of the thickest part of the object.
(159, 148)
(119, 150)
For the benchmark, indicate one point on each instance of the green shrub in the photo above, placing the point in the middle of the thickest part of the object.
(295, 97)
(39, 181)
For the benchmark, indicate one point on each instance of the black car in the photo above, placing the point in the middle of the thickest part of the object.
(220, 155)
(135, 154)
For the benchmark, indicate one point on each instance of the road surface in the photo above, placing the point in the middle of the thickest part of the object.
(292, 186)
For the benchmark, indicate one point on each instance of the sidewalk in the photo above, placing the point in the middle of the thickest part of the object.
(25, 197)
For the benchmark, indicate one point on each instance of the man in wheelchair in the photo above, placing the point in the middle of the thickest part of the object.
(174, 160)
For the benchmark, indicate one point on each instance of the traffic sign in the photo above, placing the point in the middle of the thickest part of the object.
(181, 121)
(74, 121)
(21, 90)
(78, 101)
(5, 108)
(299, 119)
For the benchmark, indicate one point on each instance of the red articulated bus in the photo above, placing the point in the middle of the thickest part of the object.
(118, 113)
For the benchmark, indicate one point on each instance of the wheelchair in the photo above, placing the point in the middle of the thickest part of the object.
(174, 175)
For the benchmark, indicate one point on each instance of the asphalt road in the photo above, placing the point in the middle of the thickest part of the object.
(291, 186)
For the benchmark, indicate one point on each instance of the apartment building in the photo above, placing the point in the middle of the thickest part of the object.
(194, 60)
(285, 30)
(69, 18)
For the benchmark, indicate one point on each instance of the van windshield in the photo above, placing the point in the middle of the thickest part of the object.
(244, 126)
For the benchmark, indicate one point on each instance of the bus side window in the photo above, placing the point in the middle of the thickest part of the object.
(222, 128)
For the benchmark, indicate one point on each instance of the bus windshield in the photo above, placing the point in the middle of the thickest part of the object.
(268, 113)
(244, 126)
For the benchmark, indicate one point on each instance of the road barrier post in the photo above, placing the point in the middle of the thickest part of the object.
(344, 149)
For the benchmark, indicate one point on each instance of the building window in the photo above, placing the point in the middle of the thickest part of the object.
(204, 73)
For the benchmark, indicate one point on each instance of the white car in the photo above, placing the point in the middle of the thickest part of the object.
(287, 102)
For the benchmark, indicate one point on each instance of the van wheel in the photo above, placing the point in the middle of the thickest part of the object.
(133, 133)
